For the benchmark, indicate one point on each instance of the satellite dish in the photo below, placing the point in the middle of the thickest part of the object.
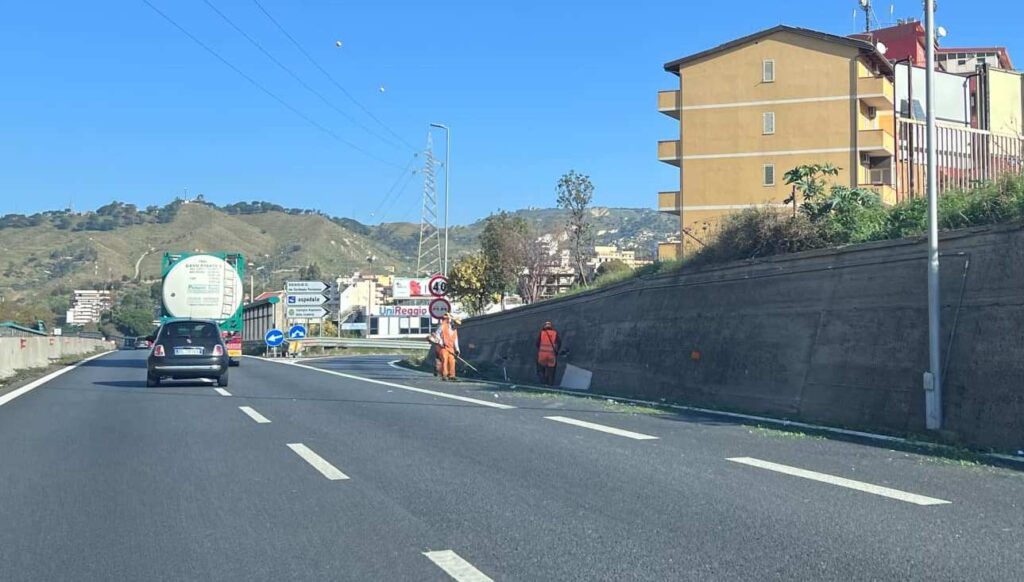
(337, 43)
(941, 31)
(881, 47)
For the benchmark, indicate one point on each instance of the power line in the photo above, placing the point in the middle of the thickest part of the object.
(393, 186)
(295, 76)
(330, 77)
(270, 93)
(398, 196)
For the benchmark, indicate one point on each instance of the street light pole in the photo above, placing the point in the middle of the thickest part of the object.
(932, 378)
(447, 173)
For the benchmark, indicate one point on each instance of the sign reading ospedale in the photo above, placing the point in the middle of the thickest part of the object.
(401, 311)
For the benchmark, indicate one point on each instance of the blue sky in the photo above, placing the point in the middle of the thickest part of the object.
(107, 100)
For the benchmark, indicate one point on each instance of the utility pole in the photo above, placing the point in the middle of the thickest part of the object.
(932, 378)
(447, 173)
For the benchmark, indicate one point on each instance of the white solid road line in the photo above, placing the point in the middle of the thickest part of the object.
(608, 429)
(37, 383)
(222, 392)
(254, 415)
(400, 386)
(456, 567)
(328, 470)
(841, 482)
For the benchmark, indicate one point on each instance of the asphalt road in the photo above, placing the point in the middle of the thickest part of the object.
(350, 469)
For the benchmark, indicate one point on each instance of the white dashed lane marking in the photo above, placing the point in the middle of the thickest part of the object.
(328, 470)
(456, 567)
(608, 429)
(251, 413)
(841, 482)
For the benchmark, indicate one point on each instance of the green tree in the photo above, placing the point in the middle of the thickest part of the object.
(502, 245)
(133, 321)
(467, 282)
(810, 181)
(612, 267)
(310, 272)
(575, 194)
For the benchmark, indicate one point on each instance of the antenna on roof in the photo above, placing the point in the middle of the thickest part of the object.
(865, 5)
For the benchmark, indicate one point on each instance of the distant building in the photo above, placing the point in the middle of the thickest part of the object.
(264, 313)
(906, 42)
(556, 280)
(605, 254)
(87, 305)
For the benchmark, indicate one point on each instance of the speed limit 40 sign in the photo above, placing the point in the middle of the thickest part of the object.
(438, 286)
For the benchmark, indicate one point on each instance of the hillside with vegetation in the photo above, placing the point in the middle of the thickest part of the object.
(639, 229)
(48, 254)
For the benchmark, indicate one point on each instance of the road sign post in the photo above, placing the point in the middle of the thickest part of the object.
(439, 308)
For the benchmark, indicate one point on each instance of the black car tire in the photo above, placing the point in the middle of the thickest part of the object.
(152, 381)
(234, 363)
(222, 380)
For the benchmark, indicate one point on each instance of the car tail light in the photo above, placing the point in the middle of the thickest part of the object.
(158, 351)
(218, 350)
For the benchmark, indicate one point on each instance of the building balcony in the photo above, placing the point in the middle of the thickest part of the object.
(670, 251)
(669, 152)
(670, 203)
(876, 142)
(876, 92)
(668, 103)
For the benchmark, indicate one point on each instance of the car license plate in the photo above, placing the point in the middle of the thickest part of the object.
(188, 351)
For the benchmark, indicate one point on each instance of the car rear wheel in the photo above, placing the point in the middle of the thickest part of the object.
(152, 381)
(222, 380)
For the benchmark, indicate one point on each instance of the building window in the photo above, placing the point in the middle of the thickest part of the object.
(768, 123)
(769, 175)
(768, 71)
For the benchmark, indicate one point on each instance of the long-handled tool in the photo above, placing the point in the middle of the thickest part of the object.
(471, 367)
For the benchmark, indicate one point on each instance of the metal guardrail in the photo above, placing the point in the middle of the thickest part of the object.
(348, 342)
(384, 343)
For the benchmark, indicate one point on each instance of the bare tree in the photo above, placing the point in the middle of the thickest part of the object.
(575, 193)
(535, 265)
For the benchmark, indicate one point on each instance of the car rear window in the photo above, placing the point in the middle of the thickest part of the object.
(189, 332)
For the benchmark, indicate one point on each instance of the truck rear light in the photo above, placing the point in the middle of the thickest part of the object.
(218, 350)
(158, 351)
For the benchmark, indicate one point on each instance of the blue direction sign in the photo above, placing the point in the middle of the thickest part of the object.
(274, 338)
(297, 332)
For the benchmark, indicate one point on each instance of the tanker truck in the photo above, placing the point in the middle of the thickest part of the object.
(206, 286)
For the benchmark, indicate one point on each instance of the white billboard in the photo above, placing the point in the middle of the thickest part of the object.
(407, 288)
(951, 95)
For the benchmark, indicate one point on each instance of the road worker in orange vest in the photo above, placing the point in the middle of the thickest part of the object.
(548, 346)
(448, 346)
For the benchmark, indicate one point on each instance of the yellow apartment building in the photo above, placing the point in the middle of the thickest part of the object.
(753, 108)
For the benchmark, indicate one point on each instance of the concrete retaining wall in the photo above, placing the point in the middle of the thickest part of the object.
(17, 353)
(836, 337)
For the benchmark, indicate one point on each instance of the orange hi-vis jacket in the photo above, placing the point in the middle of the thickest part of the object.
(449, 338)
(547, 348)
